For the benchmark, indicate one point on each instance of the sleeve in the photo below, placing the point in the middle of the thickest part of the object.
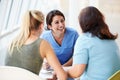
(80, 55)
(76, 35)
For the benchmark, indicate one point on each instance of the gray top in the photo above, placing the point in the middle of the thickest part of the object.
(28, 57)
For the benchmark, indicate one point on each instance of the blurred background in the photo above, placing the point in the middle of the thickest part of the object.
(11, 12)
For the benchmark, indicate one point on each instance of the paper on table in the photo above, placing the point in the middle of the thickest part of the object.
(46, 74)
(46, 71)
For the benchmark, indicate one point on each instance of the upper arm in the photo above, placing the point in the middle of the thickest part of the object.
(80, 57)
(77, 35)
(48, 53)
(45, 49)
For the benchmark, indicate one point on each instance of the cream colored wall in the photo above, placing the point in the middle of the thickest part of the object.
(64, 4)
(111, 11)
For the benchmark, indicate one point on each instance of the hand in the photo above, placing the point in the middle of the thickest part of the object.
(46, 66)
(54, 78)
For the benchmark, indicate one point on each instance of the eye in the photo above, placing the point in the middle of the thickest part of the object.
(56, 22)
(62, 20)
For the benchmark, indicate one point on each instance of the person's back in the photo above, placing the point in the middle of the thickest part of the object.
(96, 54)
(28, 57)
(104, 57)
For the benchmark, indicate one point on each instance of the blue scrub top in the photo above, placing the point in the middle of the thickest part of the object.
(65, 51)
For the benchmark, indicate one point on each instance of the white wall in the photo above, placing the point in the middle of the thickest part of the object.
(111, 11)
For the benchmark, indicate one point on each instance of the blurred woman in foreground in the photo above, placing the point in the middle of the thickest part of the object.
(96, 55)
(28, 50)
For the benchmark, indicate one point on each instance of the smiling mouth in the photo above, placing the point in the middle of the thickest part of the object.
(60, 29)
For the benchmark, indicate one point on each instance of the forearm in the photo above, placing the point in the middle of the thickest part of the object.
(72, 73)
(69, 62)
(54, 63)
(62, 76)
(76, 70)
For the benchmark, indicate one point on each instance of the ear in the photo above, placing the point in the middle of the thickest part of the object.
(41, 25)
(49, 27)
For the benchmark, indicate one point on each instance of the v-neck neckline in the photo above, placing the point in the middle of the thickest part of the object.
(56, 42)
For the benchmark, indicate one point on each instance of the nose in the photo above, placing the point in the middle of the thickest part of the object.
(61, 25)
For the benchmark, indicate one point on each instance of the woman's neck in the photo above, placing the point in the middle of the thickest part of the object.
(58, 38)
(33, 36)
(35, 33)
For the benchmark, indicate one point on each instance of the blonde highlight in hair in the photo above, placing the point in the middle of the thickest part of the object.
(38, 15)
(26, 28)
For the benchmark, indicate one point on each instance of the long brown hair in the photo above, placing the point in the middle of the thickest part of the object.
(92, 20)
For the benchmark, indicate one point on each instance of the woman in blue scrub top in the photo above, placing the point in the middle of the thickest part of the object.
(60, 37)
(96, 54)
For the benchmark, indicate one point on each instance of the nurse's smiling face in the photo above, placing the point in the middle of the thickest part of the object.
(58, 24)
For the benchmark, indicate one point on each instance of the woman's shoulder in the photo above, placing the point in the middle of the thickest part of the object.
(45, 46)
(85, 37)
(44, 43)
